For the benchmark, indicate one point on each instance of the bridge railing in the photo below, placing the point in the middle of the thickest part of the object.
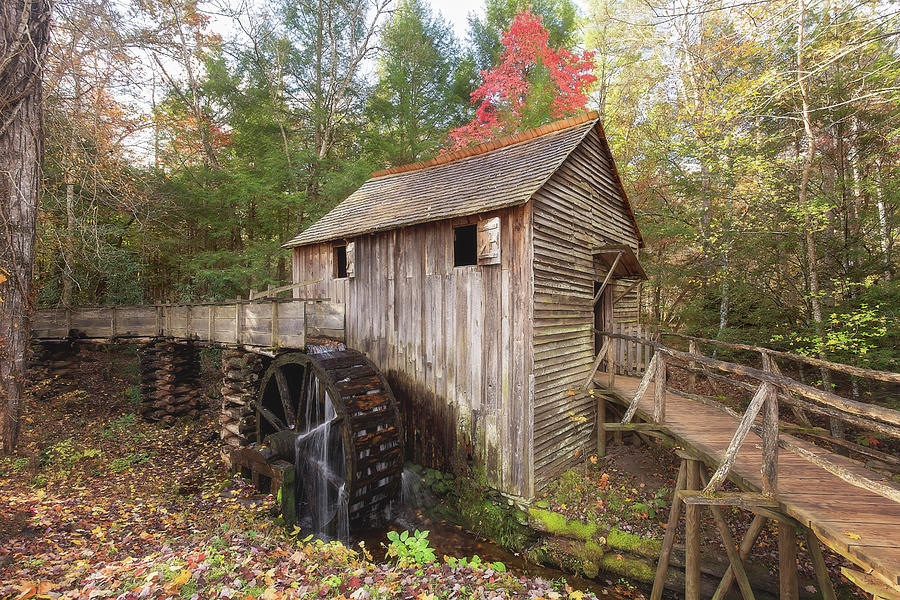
(769, 386)
(274, 322)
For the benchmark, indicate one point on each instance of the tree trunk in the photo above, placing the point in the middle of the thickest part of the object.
(24, 36)
(809, 225)
(883, 225)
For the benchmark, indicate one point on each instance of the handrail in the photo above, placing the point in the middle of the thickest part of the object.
(815, 362)
(765, 402)
(825, 397)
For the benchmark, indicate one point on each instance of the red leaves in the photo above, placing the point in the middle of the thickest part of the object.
(531, 84)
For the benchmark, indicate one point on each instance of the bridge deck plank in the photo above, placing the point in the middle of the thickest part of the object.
(835, 510)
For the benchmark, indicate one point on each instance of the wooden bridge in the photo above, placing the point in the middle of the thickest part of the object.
(833, 499)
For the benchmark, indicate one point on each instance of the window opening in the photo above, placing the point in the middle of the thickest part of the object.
(465, 245)
(340, 261)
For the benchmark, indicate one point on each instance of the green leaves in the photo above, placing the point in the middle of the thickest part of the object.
(409, 550)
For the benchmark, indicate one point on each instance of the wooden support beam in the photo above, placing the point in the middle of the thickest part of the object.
(746, 500)
(274, 291)
(692, 536)
(642, 389)
(871, 585)
(604, 350)
(756, 403)
(734, 558)
(818, 560)
(756, 526)
(788, 581)
(665, 553)
(659, 389)
(642, 427)
(627, 291)
(601, 427)
(608, 277)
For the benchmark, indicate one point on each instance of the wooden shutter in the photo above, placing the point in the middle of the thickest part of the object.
(351, 259)
(489, 241)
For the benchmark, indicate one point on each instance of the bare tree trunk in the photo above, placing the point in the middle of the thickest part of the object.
(809, 225)
(24, 37)
(883, 224)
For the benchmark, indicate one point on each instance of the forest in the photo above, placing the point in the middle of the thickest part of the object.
(758, 143)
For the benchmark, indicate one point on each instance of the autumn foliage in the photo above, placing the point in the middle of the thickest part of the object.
(532, 84)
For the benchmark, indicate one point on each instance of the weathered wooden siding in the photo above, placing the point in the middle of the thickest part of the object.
(454, 341)
(579, 209)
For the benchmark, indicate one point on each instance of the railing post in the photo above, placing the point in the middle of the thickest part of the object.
(601, 426)
(659, 389)
(770, 442)
(274, 324)
(692, 348)
(611, 357)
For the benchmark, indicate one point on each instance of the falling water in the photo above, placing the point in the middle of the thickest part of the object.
(319, 461)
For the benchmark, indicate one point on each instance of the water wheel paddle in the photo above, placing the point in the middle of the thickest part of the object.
(335, 417)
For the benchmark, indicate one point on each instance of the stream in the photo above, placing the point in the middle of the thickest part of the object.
(452, 540)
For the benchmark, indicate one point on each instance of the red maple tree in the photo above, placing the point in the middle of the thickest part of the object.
(532, 84)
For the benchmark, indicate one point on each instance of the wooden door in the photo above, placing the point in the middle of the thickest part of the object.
(603, 315)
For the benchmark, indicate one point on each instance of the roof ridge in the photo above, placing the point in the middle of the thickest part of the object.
(485, 147)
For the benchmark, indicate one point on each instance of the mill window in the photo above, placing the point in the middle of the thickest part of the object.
(465, 245)
(340, 261)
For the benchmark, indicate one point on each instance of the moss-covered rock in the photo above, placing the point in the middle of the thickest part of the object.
(557, 524)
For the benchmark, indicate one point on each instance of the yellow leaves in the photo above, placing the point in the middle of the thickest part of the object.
(97, 532)
(852, 536)
(425, 596)
(271, 594)
(594, 459)
(576, 595)
(179, 581)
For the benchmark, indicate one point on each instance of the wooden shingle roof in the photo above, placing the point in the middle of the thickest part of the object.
(498, 174)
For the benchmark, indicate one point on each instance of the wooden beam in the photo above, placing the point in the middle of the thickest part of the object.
(275, 291)
(816, 362)
(692, 536)
(756, 526)
(788, 583)
(604, 350)
(756, 403)
(871, 584)
(601, 427)
(642, 427)
(826, 588)
(659, 388)
(642, 389)
(746, 500)
(665, 553)
(626, 292)
(608, 277)
(885, 415)
(734, 558)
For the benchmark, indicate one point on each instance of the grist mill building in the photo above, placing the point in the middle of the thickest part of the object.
(469, 280)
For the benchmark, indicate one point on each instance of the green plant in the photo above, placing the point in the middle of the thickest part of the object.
(475, 563)
(409, 549)
(123, 462)
(133, 393)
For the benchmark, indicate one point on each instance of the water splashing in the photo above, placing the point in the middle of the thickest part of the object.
(320, 464)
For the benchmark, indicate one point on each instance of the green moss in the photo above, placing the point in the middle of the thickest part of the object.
(557, 524)
(635, 544)
(631, 568)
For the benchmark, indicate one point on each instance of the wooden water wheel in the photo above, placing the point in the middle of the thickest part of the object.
(333, 414)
